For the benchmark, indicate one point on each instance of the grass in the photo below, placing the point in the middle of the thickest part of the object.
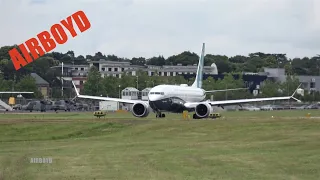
(241, 145)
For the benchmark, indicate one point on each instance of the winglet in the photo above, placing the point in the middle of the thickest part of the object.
(295, 93)
(75, 88)
(296, 90)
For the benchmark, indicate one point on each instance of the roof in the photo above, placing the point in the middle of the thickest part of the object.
(39, 80)
(130, 89)
(146, 89)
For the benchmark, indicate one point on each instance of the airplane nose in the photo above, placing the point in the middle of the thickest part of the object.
(154, 97)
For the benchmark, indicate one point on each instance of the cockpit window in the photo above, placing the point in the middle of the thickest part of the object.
(162, 93)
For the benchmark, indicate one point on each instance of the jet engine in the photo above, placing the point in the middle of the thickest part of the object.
(203, 110)
(140, 110)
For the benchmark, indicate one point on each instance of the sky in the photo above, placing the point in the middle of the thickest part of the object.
(147, 28)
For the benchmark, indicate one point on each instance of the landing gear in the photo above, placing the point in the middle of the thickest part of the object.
(160, 115)
(195, 116)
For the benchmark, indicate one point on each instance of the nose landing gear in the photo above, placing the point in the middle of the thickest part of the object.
(160, 115)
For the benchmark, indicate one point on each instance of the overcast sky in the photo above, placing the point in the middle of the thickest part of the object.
(134, 28)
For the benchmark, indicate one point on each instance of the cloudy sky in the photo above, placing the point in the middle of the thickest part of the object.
(134, 28)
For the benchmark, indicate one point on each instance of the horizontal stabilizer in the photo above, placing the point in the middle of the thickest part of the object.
(242, 101)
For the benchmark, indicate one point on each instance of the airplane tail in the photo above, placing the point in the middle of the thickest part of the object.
(198, 81)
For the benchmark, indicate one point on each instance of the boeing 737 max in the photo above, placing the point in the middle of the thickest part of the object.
(175, 98)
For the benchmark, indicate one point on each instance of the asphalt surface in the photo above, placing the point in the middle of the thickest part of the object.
(38, 112)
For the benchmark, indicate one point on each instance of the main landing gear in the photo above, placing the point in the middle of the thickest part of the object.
(160, 115)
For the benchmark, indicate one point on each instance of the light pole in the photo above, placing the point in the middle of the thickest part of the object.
(138, 82)
(119, 91)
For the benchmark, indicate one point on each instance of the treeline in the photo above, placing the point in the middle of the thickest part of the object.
(254, 62)
(112, 86)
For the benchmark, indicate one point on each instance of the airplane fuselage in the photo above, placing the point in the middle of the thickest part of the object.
(172, 98)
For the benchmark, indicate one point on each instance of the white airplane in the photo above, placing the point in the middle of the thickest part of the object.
(176, 99)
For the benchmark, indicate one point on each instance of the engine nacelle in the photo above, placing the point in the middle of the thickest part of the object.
(203, 110)
(140, 110)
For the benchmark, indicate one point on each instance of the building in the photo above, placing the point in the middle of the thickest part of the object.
(144, 94)
(309, 83)
(43, 85)
(130, 93)
(115, 68)
(78, 73)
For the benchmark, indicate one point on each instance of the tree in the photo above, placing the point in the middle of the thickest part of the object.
(184, 58)
(110, 86)
(157, 61)
(270, 89)
(138, 61)
(290, 85)
(28, 83)
(222, 62)
(93, 85)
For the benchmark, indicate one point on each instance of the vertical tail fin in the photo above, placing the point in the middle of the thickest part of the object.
(198, 81)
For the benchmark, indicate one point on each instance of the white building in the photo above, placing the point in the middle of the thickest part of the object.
(144, 93)
(115, 68)
(130, 93)
(108, 106)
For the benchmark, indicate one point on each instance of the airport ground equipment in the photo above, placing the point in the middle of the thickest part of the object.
(214, 115)
(99, 114)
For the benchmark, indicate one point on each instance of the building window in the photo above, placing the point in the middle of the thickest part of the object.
(312, 85)
(109, 69)
(76, 82)
(122, 69)
(82, 69)
(115, 69)
(81, 82)
(103, 69)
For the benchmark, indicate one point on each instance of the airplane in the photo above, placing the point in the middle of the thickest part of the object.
(178, 98)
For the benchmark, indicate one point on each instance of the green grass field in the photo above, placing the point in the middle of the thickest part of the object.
(240, 145)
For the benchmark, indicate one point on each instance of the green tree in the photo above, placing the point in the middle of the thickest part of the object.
(270, 89)
(290, 85)
(157, 61)
(110, 85)
(93, 85)
(28, 83)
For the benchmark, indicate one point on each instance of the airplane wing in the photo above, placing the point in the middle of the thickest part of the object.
(241, 101)
(129, 101)
(14, 92)
(222, 90)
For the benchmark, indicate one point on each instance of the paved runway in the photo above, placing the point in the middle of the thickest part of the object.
(2, 111)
